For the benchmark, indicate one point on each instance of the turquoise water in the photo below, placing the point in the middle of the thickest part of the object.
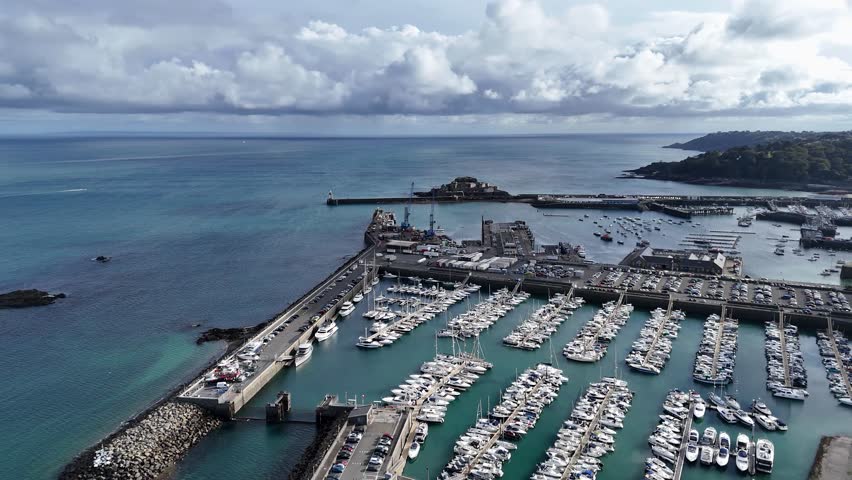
(227, 232)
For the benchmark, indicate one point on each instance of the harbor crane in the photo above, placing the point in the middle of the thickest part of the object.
(405, 223)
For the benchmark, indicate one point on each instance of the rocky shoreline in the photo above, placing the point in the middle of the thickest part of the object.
(28, 298)
(147, 448)
(233, 336)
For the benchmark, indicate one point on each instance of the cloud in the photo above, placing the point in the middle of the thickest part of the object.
(762, 58)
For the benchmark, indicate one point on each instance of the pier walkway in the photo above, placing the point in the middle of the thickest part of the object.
(660, 330)
(838, 357)
(719, 335)
(784, 356)
(594, 338)
(495, 436)
(593, 425)
(681, 454)
(399, 320)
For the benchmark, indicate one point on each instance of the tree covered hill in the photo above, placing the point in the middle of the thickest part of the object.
(821, 158)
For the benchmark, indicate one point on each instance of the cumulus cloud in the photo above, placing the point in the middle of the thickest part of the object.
(761, 58)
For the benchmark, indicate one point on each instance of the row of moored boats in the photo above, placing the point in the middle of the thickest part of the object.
(780, 344)
(588, 434)
(717, 352)
(591, 342)
(652, 350)
(472, 322)
(480, 452)
(837, 362)
(439, 382)
(538, 327)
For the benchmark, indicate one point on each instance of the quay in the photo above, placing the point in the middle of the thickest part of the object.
(689, 212)
(279, 340)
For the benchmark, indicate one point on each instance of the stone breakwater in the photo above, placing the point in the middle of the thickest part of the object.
(146, 449)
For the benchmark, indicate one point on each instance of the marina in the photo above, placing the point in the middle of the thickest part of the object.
(613, 286)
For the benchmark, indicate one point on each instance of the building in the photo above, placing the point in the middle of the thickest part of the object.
(510, 239)
(692, 261)
(466, 187)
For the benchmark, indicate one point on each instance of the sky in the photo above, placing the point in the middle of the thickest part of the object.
(408, 67)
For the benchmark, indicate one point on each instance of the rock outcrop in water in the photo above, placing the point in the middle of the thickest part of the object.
(147, 448)
(28, 298)
(230, 335)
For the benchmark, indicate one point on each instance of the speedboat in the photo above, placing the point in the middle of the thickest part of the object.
(325, 331)
(303, 354)
(744, 418)
(732, 402)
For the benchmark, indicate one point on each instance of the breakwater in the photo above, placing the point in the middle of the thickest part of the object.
(146, 448)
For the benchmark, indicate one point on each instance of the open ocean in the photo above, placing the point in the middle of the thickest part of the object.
(226, 232)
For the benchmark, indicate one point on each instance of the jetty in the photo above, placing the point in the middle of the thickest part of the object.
(587, 435)
(838, 357)
(681, 455)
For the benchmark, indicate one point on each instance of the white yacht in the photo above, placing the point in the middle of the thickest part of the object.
(413, 450)
(692, 452)
(698, 410)
(345, 309)
(326, 330)
(742, 460)
(764, 456)
(303, 354)
(358, 297)
(724, 450)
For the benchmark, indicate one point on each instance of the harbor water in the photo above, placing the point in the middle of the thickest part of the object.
(228, 232)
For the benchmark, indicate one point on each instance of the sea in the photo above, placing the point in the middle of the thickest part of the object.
(226, 232)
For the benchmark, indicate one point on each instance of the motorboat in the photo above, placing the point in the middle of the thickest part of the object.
(708, 455)
(325, 331)
(732, 402)
(742, 460)
(698, 410)
(357, 297)
(764, 456)
(346, 308)
(304, 352)
(744, 418)
(766, 422)
(413, 450)
(724, 449)
(759, 407)
(709, 436)
(726, 415)
(692, 452)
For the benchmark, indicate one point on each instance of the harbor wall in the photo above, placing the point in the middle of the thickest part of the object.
(833, 459)
(327, 434)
